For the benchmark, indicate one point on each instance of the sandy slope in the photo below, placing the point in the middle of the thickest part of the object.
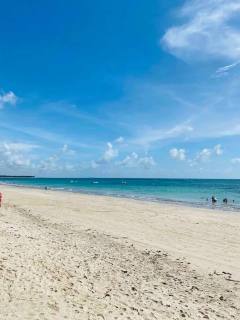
(68, 256)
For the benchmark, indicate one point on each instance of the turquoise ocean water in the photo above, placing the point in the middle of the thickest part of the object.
(189, 191)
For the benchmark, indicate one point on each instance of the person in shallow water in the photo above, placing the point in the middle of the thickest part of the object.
(214, 200)
(225, 200)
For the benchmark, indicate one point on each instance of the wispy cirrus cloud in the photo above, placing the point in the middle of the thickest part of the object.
(207, 31)
(151, 136)
(70, 110)
(225, 70)
(45, 135)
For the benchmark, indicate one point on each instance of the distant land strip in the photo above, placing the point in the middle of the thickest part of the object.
(5, 176)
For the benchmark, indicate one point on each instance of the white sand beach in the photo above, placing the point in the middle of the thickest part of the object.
(75, 256)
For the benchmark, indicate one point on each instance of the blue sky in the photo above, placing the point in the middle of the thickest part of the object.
(120, 89)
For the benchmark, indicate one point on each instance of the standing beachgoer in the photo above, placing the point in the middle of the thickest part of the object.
(214, 199)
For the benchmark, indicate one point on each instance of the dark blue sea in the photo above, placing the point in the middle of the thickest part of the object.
(189, 191)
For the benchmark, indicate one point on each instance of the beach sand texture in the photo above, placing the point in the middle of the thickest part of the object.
(75, 256)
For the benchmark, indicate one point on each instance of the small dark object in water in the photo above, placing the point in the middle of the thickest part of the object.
(214, 199)
(225, 200)
(46, 188)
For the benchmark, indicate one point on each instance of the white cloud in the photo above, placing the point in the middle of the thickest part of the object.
(119, 140)
(65, 148)
(178, 154)
(129, 160)
(205, 154)
(218, 150)
(56, 162)
(8, 98)
(208, 31)
(146, 162)
(110, 153)
(133, 160)
(19, 157)
(15, 155)
(67, 151)
(50, 164)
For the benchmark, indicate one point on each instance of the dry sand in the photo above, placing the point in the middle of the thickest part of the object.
(73, 256)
